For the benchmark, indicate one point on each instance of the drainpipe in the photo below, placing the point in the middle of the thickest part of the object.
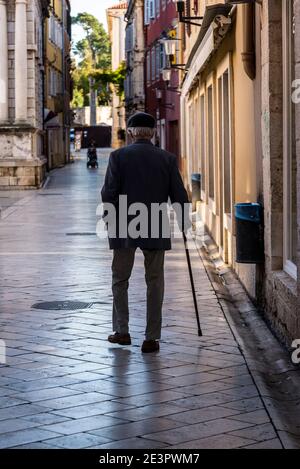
(248, 54)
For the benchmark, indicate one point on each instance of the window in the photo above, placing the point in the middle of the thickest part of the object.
(153, 64)
(55, 83)
(129, 38)
(151, 9)
(210, 142)
(157, 57)
(225, 141)
(147, 11)
(157, 2)
(195, 133)
(148, 67)
(52, 82)
(191, 137)
(162, 61)
(39, 41)
(202, 141)
(55, 31)
(289, 146)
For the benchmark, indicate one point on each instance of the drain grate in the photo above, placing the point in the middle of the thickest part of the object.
(81, 234)
(61, 305)
(48, 195)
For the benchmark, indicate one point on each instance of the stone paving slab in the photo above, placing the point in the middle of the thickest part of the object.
(65, 386)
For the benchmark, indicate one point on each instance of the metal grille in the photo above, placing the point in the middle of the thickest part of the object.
(48, 195)
(81, 234)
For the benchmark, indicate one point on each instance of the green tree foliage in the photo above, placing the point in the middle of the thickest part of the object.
(93, 55)
(111, 79)
(95, 47)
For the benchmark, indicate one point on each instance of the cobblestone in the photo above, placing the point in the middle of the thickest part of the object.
(65, 386)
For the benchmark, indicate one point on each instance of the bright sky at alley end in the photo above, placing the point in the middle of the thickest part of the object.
(95, 7)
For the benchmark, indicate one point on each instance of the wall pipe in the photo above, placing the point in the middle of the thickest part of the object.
(248, 54)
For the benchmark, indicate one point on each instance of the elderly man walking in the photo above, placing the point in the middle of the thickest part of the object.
(143, 174)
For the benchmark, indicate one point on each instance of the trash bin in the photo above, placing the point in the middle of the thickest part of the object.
(196, 189)
(249, 233)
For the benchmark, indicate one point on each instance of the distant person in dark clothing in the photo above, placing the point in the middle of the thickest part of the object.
(147, 175)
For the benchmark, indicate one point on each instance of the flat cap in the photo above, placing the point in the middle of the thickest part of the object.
(141, 119)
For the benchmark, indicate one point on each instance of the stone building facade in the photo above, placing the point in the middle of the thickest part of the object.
(58, 82)
(116, 30)
(135, 58)
(297, 117)
(240, 124)
(280, 30)
(220, 122)
(162, 96)
(22, 162)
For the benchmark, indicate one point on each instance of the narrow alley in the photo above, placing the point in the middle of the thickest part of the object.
(65, 386)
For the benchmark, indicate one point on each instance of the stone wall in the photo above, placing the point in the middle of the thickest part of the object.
(22, 163)
(279, 288)
(11, 59)
(135, 86)
(297, 60)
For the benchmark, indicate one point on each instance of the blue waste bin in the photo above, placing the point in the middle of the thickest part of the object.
(249, 233)
(196, 189)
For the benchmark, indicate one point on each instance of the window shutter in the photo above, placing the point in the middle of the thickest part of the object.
(147, 11)
(152, 9)
(188, 14)
(157, 60)
(196, 7)
(157, 2)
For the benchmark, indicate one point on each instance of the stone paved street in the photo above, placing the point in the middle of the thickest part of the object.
(65, 386)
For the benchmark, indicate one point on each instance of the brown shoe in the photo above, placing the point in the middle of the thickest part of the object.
(121, 339)
(150, 346)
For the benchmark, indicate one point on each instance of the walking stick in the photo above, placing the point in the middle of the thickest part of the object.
(192, 283)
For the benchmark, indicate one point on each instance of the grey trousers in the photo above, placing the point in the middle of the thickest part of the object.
(123, 261)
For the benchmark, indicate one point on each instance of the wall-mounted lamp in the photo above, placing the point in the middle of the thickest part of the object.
(186, 19)
(170, 51)
(158, 93)
(166, 74)
(170, 45)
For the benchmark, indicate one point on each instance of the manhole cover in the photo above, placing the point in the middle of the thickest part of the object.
(61, 305)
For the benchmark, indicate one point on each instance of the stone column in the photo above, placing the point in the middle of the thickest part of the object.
(21, 61)
(3, 62)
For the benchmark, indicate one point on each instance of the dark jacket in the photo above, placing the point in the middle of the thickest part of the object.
(147, 174)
